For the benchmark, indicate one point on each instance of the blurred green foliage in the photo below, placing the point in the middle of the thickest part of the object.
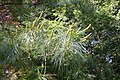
(60, 40)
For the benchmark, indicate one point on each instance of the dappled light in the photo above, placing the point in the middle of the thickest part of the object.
(59, 39)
